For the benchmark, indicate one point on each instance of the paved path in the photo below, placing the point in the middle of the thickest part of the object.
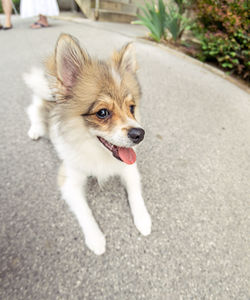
(195, 165)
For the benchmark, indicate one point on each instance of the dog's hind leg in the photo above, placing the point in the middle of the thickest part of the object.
(131, 179)
(71, 183)
(38, 114)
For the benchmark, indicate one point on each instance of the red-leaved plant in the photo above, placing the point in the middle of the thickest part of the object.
(223, 29)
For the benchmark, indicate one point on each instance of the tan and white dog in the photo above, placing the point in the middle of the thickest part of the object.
(89, 109)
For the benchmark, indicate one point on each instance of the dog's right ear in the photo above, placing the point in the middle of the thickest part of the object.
(70, 59)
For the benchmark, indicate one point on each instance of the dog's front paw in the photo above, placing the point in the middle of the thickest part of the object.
(35, 132)
(143, 222)
(96, 242)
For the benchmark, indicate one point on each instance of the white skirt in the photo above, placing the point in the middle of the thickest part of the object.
(32, 8)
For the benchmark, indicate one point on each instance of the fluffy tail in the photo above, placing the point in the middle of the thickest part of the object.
(38, 83)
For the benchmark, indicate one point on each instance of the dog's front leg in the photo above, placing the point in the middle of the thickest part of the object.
(72, 183)
(131, 178)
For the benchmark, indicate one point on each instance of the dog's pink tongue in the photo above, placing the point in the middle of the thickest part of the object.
(127, 155)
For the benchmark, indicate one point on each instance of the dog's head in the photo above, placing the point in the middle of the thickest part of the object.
(102, 96)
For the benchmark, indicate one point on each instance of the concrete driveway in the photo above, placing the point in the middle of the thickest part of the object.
(195, 166)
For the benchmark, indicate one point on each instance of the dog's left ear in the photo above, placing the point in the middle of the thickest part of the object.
(70, 60)
(125, 59)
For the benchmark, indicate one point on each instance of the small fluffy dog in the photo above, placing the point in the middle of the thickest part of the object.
(89, 109)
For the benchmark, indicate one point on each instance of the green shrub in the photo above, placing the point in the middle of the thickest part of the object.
(222, 27)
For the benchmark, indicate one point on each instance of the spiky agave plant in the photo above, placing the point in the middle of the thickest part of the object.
(175, 22)
(154, 19)
(161, 18)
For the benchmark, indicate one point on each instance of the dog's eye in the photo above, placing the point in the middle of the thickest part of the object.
(132, 109)
(103, 113)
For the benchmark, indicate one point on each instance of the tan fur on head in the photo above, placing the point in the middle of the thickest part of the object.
(85, 85)
(125, 59)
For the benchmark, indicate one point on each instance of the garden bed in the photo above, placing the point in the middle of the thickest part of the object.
(221, 31)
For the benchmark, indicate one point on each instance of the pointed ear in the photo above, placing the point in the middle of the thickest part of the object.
(70, 59)
(125, 59)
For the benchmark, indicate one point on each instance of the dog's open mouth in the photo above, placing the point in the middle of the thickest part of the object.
(126, 155)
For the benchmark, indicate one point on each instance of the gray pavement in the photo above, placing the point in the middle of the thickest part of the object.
(195, 166)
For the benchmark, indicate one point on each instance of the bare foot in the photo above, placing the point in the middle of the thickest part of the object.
(7, 24)
(41, 23)
(38, 25)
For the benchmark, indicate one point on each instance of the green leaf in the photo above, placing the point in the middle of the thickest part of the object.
(235, 61)
(227, 65)
(144, 21)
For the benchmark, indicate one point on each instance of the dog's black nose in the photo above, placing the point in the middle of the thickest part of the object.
(136, 135)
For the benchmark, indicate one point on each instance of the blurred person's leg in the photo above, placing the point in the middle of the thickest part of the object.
(7, 8)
